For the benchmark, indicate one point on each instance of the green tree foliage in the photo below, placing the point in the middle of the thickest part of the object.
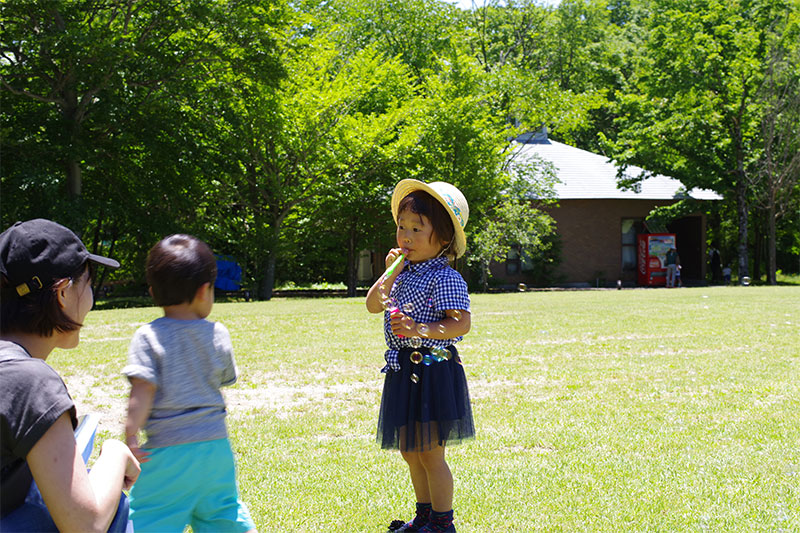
(775, 171)
(695, 112)
(97, 100)
(513, 221)
(276, 131)
(320, 131)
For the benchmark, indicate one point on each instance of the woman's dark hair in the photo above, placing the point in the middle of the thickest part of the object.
(38, 312)
(177, 266)
(422, 203)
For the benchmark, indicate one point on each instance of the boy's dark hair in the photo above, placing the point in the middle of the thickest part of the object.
(38, 312)
(422, 203)
(177, 266)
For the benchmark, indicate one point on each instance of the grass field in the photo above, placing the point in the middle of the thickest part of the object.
(632, 410)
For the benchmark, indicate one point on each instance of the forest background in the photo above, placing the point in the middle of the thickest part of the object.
(276, 130)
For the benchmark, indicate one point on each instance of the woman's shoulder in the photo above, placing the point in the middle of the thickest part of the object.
(16, 361)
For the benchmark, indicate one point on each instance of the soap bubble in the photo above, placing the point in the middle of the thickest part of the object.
(408, 307)
(416, 357)
(456, 315)
(423, 329)
(746, 281)
(414, 378)
(427, 360)
(430, 302)
(522, 287)
(416, 342)
(442, 328)
(406, 321)
(387, 304)
(442, 354)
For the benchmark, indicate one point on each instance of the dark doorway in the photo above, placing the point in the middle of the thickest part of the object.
(688, 234)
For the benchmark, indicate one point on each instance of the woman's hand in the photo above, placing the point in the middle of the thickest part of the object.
(77, 500)
(132, 466)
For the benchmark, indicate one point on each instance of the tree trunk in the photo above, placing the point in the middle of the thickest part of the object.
(485, 276)
(772, 261)
(741, 208)
(352, 267)
(73, 178)
(757, 247)
(267, 284)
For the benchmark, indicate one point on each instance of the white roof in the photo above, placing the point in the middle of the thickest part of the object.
(585, 175)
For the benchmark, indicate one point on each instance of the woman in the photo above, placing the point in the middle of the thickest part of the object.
(45, 278)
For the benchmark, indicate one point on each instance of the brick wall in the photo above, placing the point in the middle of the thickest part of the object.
(591, 239)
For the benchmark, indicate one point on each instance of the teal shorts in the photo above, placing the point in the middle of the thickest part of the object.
(193, 484)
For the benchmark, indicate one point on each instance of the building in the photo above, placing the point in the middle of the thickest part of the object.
(597, 222)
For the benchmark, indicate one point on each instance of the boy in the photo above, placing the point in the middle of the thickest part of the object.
(176, 366)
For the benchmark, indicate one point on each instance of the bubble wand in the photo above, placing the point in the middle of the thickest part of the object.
(390, 270)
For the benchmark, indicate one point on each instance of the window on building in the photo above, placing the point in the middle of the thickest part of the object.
(631, 227)
(513, 261)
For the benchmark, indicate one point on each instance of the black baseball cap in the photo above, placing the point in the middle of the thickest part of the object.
(35, 253)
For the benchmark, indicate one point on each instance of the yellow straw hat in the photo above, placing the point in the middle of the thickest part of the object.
(449, 196)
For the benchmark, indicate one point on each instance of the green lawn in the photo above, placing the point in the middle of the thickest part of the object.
(643, 410)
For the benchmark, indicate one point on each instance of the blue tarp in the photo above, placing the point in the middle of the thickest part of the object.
(229, 274)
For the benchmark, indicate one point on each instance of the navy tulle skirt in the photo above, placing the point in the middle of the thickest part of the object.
(432, 408)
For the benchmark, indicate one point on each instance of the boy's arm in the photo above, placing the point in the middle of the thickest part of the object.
(224, 346)
(139, 406)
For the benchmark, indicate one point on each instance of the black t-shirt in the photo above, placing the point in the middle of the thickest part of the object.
(32, 397)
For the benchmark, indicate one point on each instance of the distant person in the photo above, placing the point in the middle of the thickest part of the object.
(46, 281)
(726, 274)
(672, 261)
(176, 366)
(716, 264)
(425, 405)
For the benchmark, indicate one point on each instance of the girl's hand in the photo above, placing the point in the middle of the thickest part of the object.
(402, 324)
(393, 254)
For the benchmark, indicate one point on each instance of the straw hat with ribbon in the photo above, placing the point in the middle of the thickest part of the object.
(449, 196)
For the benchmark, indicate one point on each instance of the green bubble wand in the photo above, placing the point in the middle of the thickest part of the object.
(390, 270)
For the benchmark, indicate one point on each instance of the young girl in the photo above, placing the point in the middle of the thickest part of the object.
(425, 403)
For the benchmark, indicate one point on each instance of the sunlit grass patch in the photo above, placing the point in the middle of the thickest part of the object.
(596, 410)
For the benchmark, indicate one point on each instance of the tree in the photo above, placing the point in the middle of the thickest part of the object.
(85, 59)
(288, 147)
(515, 219)
(98, 99)
(693, 113)
(776, 171)
(416, 32)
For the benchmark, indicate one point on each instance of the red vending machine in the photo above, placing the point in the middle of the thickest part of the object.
(651, 262)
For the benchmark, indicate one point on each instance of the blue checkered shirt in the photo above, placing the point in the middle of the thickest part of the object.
(430, 287)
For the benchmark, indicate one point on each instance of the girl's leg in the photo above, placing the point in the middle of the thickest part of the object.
(419, 476)
(439, 477)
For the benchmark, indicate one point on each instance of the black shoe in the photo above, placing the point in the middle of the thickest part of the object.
(399, 525)
(430, 526)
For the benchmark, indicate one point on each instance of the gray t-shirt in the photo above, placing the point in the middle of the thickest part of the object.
(188, 361)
